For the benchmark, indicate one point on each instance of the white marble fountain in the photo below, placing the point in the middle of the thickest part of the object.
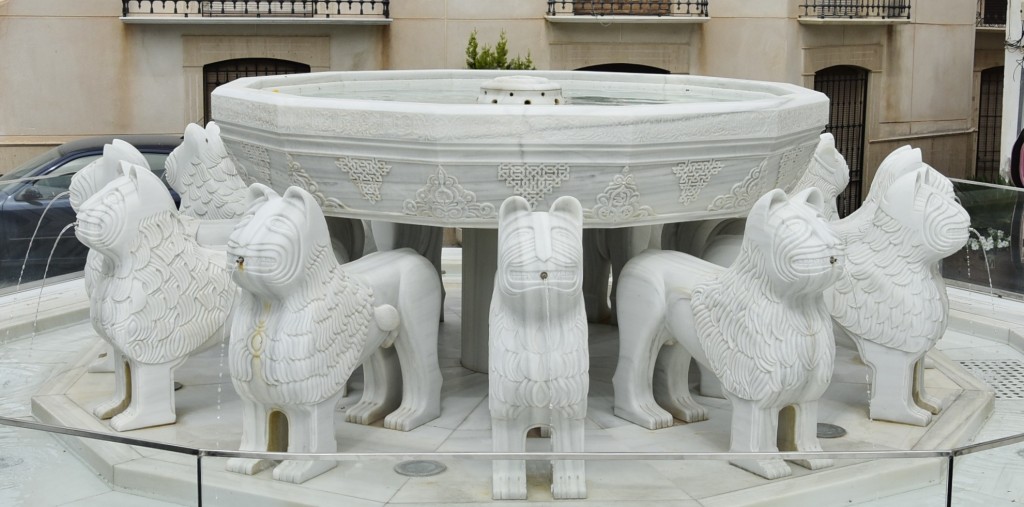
(493, 152)
(430, 148)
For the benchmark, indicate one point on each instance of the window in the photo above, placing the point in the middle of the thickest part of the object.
(218, 73)
(847, 90)
(990, 124)
(59, 180)
(992, 12)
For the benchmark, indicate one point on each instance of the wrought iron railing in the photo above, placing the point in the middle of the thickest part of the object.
(856, 9)
(992, 13)
(685, 8)
(256, 8)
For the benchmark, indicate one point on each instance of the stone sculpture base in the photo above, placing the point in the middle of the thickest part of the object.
(464, 426)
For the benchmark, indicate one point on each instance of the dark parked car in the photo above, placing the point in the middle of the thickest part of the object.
(23, 199)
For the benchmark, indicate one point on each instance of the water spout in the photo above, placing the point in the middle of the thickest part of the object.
(988, 268)
(45, 271)
(33, 238)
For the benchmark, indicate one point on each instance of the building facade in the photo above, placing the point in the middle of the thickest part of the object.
(898, 71)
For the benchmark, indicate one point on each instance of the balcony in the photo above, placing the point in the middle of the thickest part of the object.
(256, 11)
(627, 11)
(991, 15)
(854, 11)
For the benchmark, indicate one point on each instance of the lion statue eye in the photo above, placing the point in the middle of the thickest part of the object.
(280, 225)
(798, 228)
(112, 199)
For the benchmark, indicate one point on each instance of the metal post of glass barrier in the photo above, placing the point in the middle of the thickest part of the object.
(199, 479)
(949, 480)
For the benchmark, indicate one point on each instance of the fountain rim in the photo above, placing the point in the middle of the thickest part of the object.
(745, 95)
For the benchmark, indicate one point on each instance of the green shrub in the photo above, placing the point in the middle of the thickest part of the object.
(486, 57)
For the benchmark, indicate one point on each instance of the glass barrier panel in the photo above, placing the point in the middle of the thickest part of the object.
(42, 468)
(684, 480)
(993, 474)
(992, 258)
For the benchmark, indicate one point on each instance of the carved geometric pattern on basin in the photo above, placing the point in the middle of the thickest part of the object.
(366, 173)
(300, 178)
(620, 200)
(792, 167)
(694, 175)
(743, 193)
(533, 182)
(259, 157)
(443, 197)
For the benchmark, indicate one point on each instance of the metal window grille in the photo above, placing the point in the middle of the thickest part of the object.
(854, 9)
(990, 122)
(847, 90)
(256, 8)
(235, 8)
(629, 7)
(992, 12)
(218, 73)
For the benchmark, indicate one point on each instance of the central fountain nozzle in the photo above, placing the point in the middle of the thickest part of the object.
(520, 90)
(240, 261)
(832, 260)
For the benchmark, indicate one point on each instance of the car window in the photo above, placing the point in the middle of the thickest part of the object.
(59, 180)
(156, 162)
(34, 163)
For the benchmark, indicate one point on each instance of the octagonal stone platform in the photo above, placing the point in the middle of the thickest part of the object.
(209, 417)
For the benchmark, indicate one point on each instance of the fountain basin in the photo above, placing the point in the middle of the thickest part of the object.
(416, 147)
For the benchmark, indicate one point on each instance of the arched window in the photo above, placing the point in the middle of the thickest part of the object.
(847, 89)
(990, 124)
(218, 73)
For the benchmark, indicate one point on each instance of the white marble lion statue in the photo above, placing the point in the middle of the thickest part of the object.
(718, 241)
(760, 325)
(539, 366)
(84, 184)
(893, 305)
(302, 323)
(158, 297)
(205, 177)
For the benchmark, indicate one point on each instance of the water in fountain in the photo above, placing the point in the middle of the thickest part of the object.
(988, 268)
(33, 238)
(45, 271)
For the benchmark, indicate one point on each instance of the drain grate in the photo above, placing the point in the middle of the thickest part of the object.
(1005, 376)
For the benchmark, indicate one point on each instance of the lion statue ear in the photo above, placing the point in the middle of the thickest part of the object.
(757, 220)
(193, 134)
(759, 211)
(904, 160)
(307, 203)
(259, 194)
(316, 223)
(811, 196)
(128, 169)
(150, 188)
(511, 206)
(301, 198)
(212, 130)
(898, 200)
(569, 207)
(121, 150)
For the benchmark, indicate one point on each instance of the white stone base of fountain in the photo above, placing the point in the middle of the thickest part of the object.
(210, 418)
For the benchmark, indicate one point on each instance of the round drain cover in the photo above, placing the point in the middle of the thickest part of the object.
(826, 430)
(419, 468)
